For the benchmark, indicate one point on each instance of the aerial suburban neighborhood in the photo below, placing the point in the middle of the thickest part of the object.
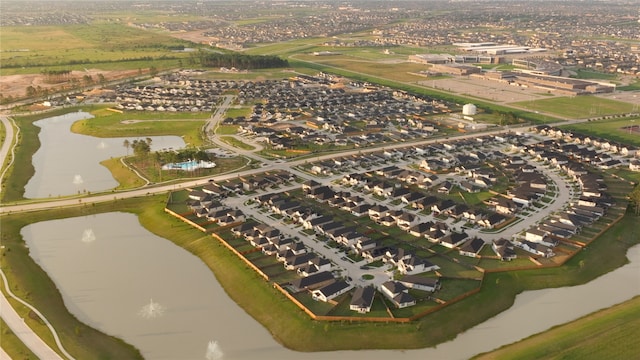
(292, 179)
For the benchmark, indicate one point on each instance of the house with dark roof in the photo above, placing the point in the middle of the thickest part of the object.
(536, 248)
(297, 261)
(504, 249)
(453, 239)
(312, 282)
(330, 291)
(492, 220)
(362, 299)
(420, 282)
(415, 265)
(472, 247)
(397, 293)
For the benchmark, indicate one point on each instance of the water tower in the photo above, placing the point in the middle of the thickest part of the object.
(469, 109)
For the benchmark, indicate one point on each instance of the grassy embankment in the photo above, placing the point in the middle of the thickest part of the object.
(285, 321)
(236, 143)
(607, 334)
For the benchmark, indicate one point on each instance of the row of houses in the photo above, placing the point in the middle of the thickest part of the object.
(590, 206)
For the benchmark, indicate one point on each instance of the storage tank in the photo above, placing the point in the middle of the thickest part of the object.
(469, 109)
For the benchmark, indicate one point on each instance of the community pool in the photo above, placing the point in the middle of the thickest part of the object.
(189, 165)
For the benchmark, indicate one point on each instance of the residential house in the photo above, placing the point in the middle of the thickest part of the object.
(420, 282)
(397, 293)
(415, 265)
(492, 220)
(297, 261)
(453, 239)
(472, 247)
(504, 249)
(536, 248)
(311, 282)
(330, 291)
(362, 299)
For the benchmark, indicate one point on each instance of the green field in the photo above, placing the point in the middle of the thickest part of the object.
(607, 334)
(577, 107)
(31, 49)
(586, 74)
(106, 123)
(613, 129)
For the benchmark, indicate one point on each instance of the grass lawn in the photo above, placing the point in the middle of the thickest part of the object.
(142, 123)
(452, 288)
(607, 334)
(82, 46)
(578, 106)
(236, 143)
(586, 74)
(126, 178)
(394, 71)
(631, 87)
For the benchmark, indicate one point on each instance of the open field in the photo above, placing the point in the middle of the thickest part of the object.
(39, 47)
(107, 123)
(113, 50)
(578, 107)
(607, 334)
(397, 71)
(485, 89)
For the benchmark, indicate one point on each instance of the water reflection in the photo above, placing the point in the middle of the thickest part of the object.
(68, 163)
(124, 270)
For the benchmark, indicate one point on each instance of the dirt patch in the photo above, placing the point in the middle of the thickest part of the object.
(16, 85)
(196, 36)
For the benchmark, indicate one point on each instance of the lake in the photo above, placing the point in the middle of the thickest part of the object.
(68, 164)
(117, 277)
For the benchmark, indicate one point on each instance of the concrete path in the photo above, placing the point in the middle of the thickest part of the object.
(22, 331)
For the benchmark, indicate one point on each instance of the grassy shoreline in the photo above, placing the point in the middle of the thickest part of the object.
(588, 337)
(287, 323)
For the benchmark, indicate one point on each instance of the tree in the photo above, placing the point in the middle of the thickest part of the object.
(634, 197)
(141, 148)
(101, 79)
(153, 71)
(87, 80)
(127, 145)
(31, 91)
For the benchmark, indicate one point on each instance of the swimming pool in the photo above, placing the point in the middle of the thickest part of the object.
(189, 165)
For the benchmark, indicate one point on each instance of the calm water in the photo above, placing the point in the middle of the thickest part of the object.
(68, 163)
(109, 274)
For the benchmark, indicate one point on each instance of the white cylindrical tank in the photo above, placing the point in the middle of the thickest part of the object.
(469, 109)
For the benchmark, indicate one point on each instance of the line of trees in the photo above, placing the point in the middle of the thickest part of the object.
(241, 61)
(29, 63)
